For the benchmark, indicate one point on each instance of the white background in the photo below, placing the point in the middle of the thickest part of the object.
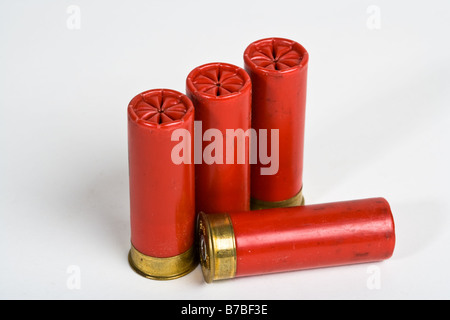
(378, 124)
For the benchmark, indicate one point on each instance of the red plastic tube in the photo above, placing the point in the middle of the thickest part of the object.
(295, 238)
(278, 71)
(162, 196)
(221, 94)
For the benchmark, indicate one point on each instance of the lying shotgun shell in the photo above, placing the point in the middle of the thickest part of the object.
(238, 244)
(278, 71)
(162, 195)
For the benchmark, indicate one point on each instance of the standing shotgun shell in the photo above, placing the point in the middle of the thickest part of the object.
(286, 239)
(278, 70)
(162, 197)
(221, 94)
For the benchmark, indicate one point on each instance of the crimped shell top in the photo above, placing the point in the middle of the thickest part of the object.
(275, 55)
(160, 107)
(217, 80)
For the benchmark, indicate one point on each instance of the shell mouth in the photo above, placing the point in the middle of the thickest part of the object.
(218, 79)
(159, 106)
(276, 54)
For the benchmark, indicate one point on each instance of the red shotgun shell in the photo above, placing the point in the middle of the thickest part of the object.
(221, 94)
(278, 71)
(295, 238)
(162, 196)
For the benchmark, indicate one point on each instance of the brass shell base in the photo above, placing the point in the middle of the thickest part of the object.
(217, 246)
(162, 268)
(297, 200)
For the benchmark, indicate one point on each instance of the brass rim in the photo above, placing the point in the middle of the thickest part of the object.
(162, 268)
(297, 200)
(217, 246)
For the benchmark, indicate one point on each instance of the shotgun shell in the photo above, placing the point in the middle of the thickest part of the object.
(162, 207)
(278, 71)
(221, 94)
(286, 239)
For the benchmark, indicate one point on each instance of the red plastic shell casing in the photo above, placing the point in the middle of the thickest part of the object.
(162, 194)
(278, 71)
(313, 236)
(295, 238)
(221, 94)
